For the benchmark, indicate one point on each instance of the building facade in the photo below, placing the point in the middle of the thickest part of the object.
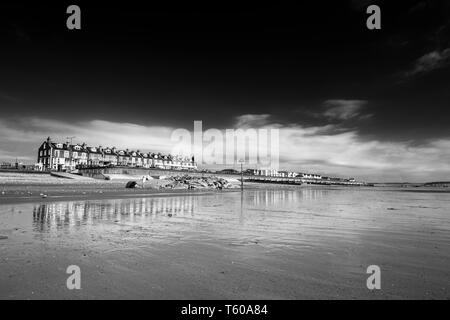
(64, 156)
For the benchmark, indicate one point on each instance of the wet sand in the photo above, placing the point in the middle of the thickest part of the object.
(17, 194)
(19, 188)
(271, 242)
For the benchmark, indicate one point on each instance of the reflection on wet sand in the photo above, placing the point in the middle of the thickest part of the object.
(76, 213)
(58, 215)
(276, 197)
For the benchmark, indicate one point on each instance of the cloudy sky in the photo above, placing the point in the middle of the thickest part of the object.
(347, 101)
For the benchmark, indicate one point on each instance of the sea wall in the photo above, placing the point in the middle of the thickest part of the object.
(100, 173)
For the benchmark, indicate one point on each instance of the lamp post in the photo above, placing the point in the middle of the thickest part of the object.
(241, 161)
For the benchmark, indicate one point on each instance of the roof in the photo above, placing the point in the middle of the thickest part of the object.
(123, 153)
(94, 150)
(82, 149)
(59, 146)
(111, 151)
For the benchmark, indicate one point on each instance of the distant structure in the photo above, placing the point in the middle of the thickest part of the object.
(6, 165)
(67, 156)
(286, 174)
(306, 177)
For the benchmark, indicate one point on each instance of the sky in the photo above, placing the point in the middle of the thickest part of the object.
(348, 101)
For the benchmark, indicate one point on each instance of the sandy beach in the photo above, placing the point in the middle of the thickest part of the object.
(270, 242)
(17, 187)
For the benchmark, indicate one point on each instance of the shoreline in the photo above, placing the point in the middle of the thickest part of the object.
(12, 193)
(18, 194)
(19, 188)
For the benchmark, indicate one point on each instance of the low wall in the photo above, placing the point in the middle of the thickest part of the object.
(24, 171)
(99, 173)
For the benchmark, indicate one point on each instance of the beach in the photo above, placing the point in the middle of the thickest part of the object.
(269, 242)
(21, 187)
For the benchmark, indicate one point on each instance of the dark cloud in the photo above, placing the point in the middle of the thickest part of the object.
(340, 109)
(7, 97)
(429, 62)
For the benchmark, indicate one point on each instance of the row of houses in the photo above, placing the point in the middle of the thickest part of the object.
(66, 156)
(286, 174)
(6, 165)
(291, 174)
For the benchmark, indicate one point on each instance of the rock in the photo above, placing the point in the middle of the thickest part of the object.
(179, 186)
(131, 184)
(2, 237)
(191, 182)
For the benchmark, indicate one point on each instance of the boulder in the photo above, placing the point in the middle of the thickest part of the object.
(131, 184)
